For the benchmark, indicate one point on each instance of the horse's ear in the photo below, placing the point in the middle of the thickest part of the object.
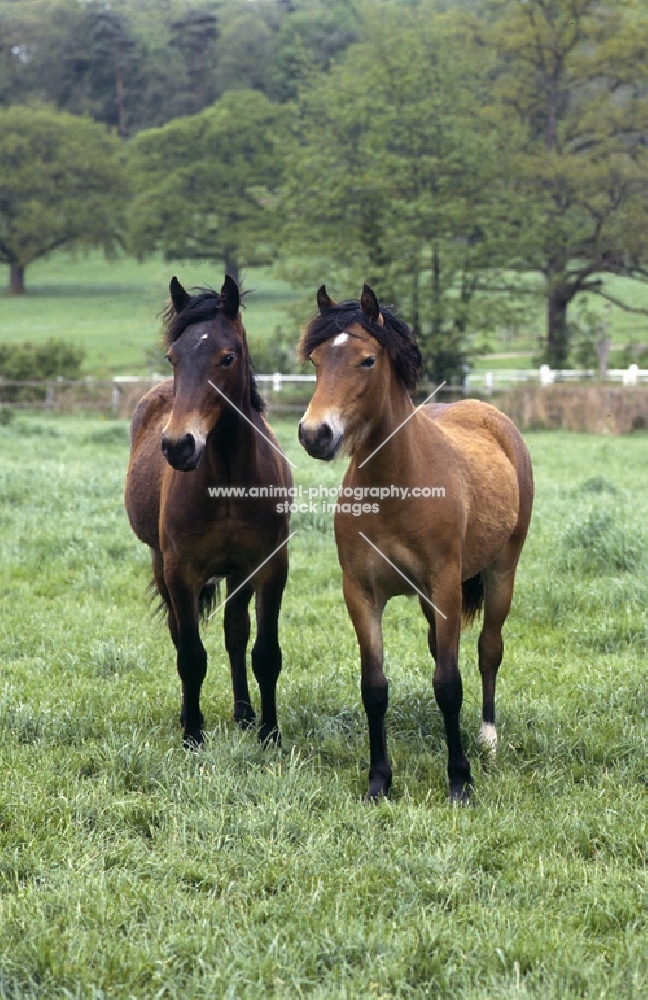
(369, 304)
(230, 297)
(179, 297)
(324, 301)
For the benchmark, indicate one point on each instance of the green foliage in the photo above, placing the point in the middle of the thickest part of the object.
(62, 184)
(205, 186)
(28, 362)
(51, 359)
(573, 75)
(309, 39)
(395, 178)
(585, 334)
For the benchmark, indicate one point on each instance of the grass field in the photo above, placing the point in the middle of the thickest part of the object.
(112, 309)
(130, 868)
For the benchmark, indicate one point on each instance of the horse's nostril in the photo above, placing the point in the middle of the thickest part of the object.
(187, 446)
(300, 432)
(325, 434)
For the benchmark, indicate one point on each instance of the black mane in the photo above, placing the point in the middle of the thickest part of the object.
(395, 336)
(201, 308)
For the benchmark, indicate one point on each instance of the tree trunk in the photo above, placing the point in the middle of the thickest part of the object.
(557, 332)
(16, 279)
(231, 266)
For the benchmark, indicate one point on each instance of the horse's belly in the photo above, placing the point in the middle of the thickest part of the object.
(142, 496)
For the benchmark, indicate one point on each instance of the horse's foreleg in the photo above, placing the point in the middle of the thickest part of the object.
(448, 689)
(366, 615)
(191, 655)
(266, 652)
(237, 634)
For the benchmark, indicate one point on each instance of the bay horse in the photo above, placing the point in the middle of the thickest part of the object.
(456, 545)
(192, 435)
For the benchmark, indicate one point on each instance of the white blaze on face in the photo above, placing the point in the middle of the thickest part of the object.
(340, 339)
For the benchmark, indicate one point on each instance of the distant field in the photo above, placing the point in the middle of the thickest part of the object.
(130, 868)
(112, 308)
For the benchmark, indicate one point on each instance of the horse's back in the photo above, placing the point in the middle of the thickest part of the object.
(146, 466)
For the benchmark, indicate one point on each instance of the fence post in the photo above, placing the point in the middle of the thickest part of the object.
(116, 396)
(49, 396)
(546, 375)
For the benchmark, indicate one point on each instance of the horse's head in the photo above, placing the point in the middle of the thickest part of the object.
(208, 350)
(355, 347)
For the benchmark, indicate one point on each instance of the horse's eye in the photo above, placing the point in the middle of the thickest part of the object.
(368, 362)
(168, 358)
(227, 361)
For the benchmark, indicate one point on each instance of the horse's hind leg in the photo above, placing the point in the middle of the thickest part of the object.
(237, 634)
(498, 593)
(445, 629)
(266, 652)
(163, 591)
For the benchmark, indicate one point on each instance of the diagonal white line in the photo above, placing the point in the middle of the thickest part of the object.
(271, 443)
(402, 424)
(236, 590)
(407, 579)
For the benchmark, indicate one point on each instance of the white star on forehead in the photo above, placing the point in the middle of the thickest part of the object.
(340, 339)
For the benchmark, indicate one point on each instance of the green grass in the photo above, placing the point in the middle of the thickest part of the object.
(112, 309)
(129, 868)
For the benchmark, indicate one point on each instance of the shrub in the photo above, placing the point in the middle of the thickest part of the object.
(29, 362)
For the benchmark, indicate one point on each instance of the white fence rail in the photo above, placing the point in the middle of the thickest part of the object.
(46, 393)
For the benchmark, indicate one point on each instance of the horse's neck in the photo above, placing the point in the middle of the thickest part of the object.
(232, 449)
(390, 451)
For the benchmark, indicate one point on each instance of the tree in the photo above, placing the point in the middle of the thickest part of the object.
(205, 185)
(575, 75)
(194, 35)
(112, 51)
(395, 178)
(62, 185)
(245, 46)
(311, 34)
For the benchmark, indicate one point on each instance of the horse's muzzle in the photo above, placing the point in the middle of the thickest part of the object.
(320, 441)
(182, 454)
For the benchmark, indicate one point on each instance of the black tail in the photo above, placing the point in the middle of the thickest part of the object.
(207, 599)
(472, 593)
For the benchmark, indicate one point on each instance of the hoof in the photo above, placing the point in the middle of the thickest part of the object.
(379, 786)
(460, 793)
(244, 715)
(269, 736)
(193, 740)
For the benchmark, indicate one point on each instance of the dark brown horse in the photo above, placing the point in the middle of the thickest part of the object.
(191, 435)
(457, 549)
